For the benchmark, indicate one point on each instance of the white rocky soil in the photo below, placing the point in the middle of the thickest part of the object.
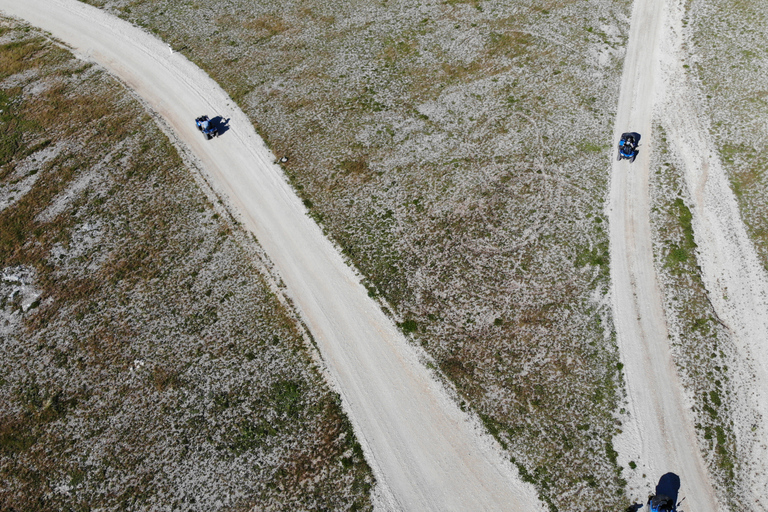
(735, 280)
(425, 452)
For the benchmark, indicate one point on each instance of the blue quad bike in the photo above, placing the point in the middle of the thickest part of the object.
(661, 503)
(628, 146)
(207, 127)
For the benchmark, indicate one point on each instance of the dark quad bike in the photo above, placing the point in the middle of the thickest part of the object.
(207, 127)
(628, 146)
(661, 503)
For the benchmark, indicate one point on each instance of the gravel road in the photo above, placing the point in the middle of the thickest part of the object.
(425, 452)
(659, 435)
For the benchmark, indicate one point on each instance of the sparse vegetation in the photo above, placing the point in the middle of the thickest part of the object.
(439, 146)
(728, 44)
(700, 342)
(147, 361)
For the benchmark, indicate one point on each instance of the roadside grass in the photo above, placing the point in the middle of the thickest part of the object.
(147, 361)
(727, 45)
(729, 42)
(700, 342)
(457, 154)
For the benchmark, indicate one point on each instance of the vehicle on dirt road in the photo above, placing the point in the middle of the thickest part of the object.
(661, 503)
(628, 146)
(206, 127)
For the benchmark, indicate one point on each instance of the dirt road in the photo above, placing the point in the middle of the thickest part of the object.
(425, 452)
(659, 435)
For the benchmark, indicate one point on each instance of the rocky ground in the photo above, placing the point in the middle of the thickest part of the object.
(458, 154)
(147, 359)
(727, 46)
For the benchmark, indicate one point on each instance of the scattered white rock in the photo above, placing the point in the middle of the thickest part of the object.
(25, 174)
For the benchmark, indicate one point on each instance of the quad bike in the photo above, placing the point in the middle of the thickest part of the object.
(661, 503)
(628, 146)
(206, 127)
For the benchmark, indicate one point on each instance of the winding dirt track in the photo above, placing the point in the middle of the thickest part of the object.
(659, 435)
(425, 452)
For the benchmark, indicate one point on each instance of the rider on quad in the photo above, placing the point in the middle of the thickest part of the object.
(207, 127)
(661, 503)
(628, 146)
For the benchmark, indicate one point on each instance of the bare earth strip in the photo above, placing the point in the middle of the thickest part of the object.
(659, 435)
(735, 280)
(425, 452)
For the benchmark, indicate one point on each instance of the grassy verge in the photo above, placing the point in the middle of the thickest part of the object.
(458, 154)
(700, 342)
(146, 361)
(729, 41)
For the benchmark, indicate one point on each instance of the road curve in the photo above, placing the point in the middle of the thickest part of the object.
(425, 452)
(659, 435)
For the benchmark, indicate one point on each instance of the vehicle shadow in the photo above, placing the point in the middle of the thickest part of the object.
(221, 124)
(669, 485)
